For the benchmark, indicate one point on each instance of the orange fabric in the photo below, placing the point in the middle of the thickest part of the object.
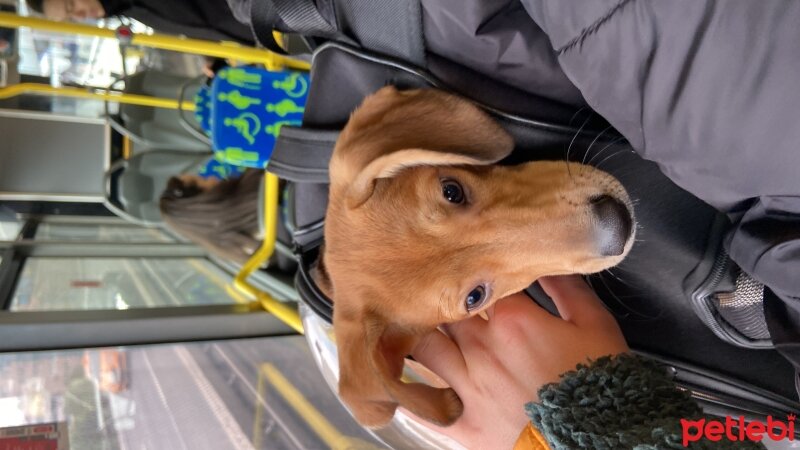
(531, 439)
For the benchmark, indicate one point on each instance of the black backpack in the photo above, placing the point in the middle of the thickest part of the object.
(678, 297)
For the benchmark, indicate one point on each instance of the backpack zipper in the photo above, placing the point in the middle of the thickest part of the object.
(706, 311)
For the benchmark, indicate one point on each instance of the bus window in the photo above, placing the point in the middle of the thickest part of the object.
(9, 230)
(74, 59)
(243, 394)
(83, 283)
(100, 232)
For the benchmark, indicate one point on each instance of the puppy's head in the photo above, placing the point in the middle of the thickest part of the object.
(422, 229)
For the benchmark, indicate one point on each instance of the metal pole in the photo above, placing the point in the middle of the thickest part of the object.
(111, 96)
(227, 50)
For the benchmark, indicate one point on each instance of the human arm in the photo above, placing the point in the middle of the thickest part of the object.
(514, 363)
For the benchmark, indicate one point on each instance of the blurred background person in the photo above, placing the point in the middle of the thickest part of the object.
(202, 19)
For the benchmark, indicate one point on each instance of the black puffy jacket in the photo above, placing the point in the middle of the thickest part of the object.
(709, 90)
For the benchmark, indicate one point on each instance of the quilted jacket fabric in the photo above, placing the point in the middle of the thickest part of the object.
(709, 90)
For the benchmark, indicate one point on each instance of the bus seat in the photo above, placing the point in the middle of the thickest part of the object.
(134, 186)
(156, 132)
(159, 127)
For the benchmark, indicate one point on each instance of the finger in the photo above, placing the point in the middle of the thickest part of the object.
(575, 300)
(517, 306)
(465, 331)
(442, 356)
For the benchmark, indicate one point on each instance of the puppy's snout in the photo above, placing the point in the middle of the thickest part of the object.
(614, 224)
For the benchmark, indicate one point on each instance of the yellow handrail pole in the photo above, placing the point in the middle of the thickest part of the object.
(270, 229)
(226, 50)
(127, 147)
(326, 431)
(68, 91)
(281, 310)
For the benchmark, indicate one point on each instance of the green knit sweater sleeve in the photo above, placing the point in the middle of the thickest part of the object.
(625, 402)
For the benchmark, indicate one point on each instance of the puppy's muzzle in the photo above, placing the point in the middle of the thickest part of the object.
(615, 224)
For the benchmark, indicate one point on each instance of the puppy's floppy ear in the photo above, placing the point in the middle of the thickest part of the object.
(395, 129)
(371, 355)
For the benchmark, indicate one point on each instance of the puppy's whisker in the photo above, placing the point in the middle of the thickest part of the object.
(569, 171)
(572, 142)
(582, 108)
(590, 280)
(622, 173)
(629, 310)
(608, 158)
(589, 148)
(609, 145)
(617, 277)
(616, 173)
(566, 154)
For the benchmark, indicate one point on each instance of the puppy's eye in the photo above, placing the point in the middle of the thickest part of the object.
(475, 298)
(452, 191)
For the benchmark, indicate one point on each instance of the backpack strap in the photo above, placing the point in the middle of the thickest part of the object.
(295, 16)
(300, 16)
(303, 154)
(393, 28)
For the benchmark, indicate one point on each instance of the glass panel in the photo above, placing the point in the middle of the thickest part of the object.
(118, 283)
(9, 230)
(83, 60)
(8, 36)
(243, 394)
(93, 232)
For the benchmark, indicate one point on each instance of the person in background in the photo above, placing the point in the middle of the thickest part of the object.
(219, 215)
(208, 19)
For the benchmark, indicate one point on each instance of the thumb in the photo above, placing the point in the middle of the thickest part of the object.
(575, 300)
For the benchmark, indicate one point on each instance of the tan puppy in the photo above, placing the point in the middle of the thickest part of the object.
(422, 229)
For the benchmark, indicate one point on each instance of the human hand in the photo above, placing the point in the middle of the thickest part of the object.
(499, 365)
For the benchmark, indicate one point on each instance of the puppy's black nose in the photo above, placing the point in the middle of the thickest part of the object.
(615, 224)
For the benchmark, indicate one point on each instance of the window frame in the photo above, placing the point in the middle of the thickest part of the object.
(57, 330)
